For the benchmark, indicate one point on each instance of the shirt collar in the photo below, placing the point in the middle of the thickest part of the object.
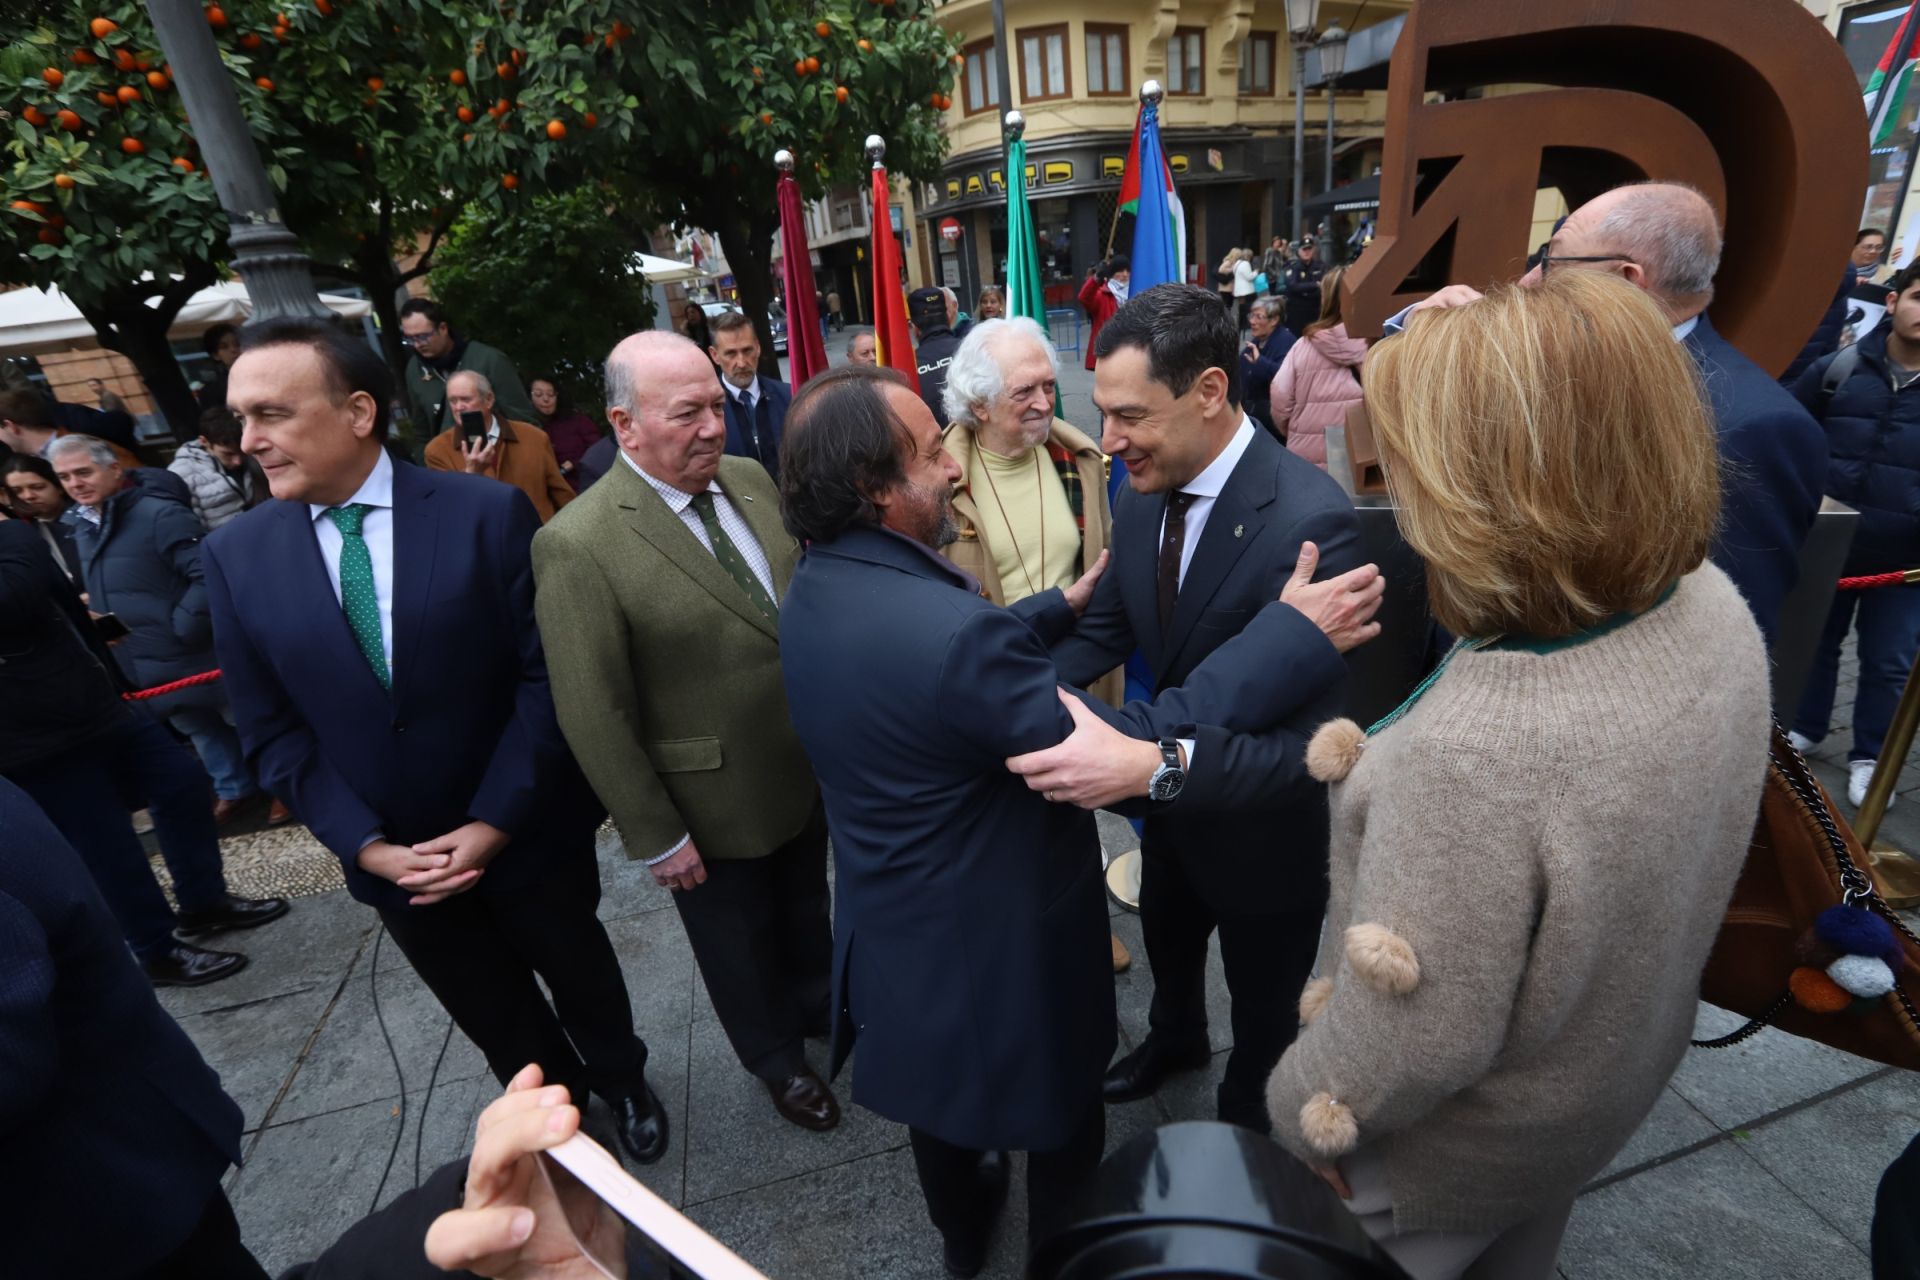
(1213, 481)
(741, 393)
(375, 491)
(677, 500)
(1685, 327)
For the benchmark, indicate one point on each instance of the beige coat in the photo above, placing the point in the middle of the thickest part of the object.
(1089, 466)
(666, 678)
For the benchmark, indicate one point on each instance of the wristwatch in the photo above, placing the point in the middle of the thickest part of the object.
(1169, 777)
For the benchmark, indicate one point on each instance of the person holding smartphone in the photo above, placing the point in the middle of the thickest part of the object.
(481, 443)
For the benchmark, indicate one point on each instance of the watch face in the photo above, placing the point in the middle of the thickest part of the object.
(1168, 784)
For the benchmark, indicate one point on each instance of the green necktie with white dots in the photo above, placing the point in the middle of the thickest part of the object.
(357, 596)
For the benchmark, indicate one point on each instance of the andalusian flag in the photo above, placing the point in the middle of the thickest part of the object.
(1024, 294)
(1887, 89)
(1159, 220)
(892, 339)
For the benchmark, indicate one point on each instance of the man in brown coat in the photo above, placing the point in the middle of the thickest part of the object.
(518, 453)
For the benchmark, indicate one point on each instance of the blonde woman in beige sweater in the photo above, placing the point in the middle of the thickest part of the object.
(1531, 857)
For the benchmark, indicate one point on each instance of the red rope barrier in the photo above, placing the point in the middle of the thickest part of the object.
(172, 686)
(1880, 580)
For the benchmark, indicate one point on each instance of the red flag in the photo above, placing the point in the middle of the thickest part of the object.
(806, 349)
(893, 345)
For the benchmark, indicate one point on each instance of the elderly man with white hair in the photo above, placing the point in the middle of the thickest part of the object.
(482, 443)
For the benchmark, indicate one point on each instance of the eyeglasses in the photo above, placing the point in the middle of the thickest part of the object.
(1547, 257)
(417, 339)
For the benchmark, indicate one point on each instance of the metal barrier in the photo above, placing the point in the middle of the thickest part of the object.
(1060, 325)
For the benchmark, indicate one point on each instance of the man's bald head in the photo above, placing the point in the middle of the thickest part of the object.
(667, 408)
(641, 363)
(1667, 233)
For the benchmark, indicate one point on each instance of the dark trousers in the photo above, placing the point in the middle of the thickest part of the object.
(959, 1205)
(81, 792)
(1267, 955)
(764, 942)
(212, 1252)
(1896, 1230)
(479, 953)
(1889, 631)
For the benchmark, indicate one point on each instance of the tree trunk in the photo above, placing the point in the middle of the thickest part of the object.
(746, 235)
(126, 324)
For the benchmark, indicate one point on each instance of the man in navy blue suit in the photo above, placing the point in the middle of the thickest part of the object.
(1665, 238)
(376, 628)
(970, 962)
(756, 406)
(117, 1131)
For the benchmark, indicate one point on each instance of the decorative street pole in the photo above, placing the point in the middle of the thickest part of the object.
(266, 254)
(1300, 19)
(1333, 60)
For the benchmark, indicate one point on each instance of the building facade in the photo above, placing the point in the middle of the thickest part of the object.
(1227, 124)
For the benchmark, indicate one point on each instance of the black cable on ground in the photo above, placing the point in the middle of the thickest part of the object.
(373, 983)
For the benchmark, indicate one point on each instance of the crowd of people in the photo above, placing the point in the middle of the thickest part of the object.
(844, 668)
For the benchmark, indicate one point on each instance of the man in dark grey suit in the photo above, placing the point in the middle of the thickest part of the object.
(1218, 519)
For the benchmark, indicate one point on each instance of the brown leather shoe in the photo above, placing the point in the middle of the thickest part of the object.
(224, 810)
(278, 815)
(1121, 960)
(806, 1101)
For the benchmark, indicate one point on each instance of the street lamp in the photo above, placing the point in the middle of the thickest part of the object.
(1301, 15)
(1333, 60)
(265, 253)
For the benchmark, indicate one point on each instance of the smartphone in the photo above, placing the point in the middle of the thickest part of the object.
(110, 628)
(473, 425)
(626, 1230)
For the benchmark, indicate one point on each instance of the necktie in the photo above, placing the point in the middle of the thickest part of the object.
(730, 558)
(357, 596)
(1172, 538)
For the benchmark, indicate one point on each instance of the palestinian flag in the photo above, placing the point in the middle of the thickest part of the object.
(1886, 93)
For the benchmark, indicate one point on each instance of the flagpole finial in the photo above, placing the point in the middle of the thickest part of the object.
(1016, 126)
(876, 149)
(1151, 93)
(783, 160)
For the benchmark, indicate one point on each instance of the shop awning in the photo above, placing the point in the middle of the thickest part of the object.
(38, 321)
(1356, 197)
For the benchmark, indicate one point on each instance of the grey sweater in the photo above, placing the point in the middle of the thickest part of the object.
(1528, 871)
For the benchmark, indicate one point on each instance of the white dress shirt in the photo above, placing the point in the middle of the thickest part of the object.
(376, 528)
(1205, 489)
(1685, 327)
(732, 523)
(680, 502)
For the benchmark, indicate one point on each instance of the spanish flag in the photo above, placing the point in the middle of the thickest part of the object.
(892, 340)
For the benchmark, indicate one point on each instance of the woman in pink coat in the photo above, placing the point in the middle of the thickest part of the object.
(1319, 379)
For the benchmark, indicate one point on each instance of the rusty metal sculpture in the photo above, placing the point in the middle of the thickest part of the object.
(1751, 101)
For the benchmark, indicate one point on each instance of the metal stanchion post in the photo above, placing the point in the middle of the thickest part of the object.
(1895, 874)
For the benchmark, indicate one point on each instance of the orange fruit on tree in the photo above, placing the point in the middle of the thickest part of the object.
(123, 60)
(556, 129)
(325, 8)
(265, 84)
(466, 137)
(813, 65)
(799, 66)
(756, 73)
(610, 41)
(866, 46)
(766, 117)
(28, 206)
(183, 164)
(823, 29)
(132, 146)
(127, 95)
(68, 120)
(519, 57)
(501, 107)
(55, 220)
(107, 100)
(590, 120)
(216, 17)
(935, 100)
(102, 28)
(457, 77)
(49, 235)
(64, 181)
(34, 116)
(157, 79)
(840, 93)
(250, 41)
(959, 60)
(510, 182)
(375, 83)
(465, 114)
(84, 58)
(280, 34)
(504, 71)
(54, 76)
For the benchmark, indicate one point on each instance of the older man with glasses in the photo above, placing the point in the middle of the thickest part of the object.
(1665, 238)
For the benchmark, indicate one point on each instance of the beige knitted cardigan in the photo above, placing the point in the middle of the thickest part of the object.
(1528, 871)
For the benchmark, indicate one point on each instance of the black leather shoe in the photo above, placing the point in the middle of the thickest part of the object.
(965, 1259)
(641, 1124)
(229, 912)
(806, 1101)
(1142, 1072)
(185, 965)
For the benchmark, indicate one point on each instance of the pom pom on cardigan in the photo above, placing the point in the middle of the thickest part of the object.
(1314, 997)
(1867, 977)
(1383, 959)
(1328, 1125)
(1815, 992)
(1853, 931)
(1334, 749)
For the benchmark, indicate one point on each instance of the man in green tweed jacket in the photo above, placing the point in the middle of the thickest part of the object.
(658, 596)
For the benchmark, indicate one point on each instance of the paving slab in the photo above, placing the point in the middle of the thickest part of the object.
(626, 886)
(1833, 1153)
(657, 961)
(256, 1046)
(1673, 1125)
(1772, 1070)
(1715, 1215)
(667, 1073)
(312, 945)
(1133, 990)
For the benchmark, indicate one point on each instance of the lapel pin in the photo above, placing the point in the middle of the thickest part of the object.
(747, 496)
(1239, 530)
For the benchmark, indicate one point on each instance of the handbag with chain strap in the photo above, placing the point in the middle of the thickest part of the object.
(1807, 944)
